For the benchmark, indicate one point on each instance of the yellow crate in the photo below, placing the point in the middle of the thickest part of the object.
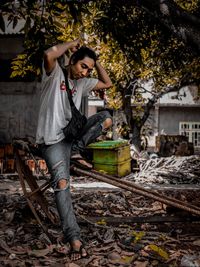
(112, 157)
(120, 169)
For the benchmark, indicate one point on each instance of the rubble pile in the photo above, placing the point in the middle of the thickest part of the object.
(169, 170)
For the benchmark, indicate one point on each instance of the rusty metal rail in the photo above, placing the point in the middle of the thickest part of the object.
(132, 187)
(128, 183)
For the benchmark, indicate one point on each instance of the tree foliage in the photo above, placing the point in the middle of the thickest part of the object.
(136, 40)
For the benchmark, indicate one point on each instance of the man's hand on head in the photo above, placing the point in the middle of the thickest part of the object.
(75, 45)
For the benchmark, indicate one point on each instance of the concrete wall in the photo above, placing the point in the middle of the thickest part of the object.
(171, 116)
(10, 46)
(165, 120)
(18, 99)
(18, 110)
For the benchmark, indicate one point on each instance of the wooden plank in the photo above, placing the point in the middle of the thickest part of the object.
(138, 219)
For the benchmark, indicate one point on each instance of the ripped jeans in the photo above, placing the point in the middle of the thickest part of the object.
(57, 157)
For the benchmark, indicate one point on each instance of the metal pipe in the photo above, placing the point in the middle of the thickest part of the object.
(114, 181)
(128, 183)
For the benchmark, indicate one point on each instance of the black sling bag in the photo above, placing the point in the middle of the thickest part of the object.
(75, 126)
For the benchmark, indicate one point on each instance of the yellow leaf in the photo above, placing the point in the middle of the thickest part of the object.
(101, 222)
(138, 236)
(126, 259)
(22, 56)
(38, 71)
(14, 74)
(102, 171)
(60, 6)
(15, 67)
(160, 251)
(17, 62)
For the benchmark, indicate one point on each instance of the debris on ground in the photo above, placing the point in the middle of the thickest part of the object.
(169, 170)
(110, 241)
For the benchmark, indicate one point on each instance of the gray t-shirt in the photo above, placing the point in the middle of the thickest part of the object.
(55, 110)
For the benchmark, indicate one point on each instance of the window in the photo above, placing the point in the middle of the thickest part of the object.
(192, 131)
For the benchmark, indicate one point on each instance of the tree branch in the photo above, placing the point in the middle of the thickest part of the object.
(177, 20)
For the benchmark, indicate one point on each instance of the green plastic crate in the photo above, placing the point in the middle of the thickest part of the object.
(112, 157)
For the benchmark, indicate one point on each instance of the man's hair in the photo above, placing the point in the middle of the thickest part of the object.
(81, 53)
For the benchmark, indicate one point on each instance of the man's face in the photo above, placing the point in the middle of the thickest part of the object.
(82, 68)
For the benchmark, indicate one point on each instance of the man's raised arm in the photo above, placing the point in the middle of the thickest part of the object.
(54, 52)
(104, 80)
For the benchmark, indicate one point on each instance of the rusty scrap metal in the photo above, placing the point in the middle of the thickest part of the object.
(130, 186)
(36, 194)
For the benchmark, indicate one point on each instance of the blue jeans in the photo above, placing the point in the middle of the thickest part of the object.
(57, 157)
(92, 130)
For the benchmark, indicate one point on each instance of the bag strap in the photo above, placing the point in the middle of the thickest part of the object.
(67, 88)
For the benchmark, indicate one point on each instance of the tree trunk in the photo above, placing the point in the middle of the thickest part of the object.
(134, 125)
(136, 136)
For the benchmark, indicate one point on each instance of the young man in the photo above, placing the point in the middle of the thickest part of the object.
(55, 114)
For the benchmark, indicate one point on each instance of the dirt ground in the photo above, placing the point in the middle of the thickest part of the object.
(107, 219)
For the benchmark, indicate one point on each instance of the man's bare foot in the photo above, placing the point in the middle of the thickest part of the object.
(77, 250)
